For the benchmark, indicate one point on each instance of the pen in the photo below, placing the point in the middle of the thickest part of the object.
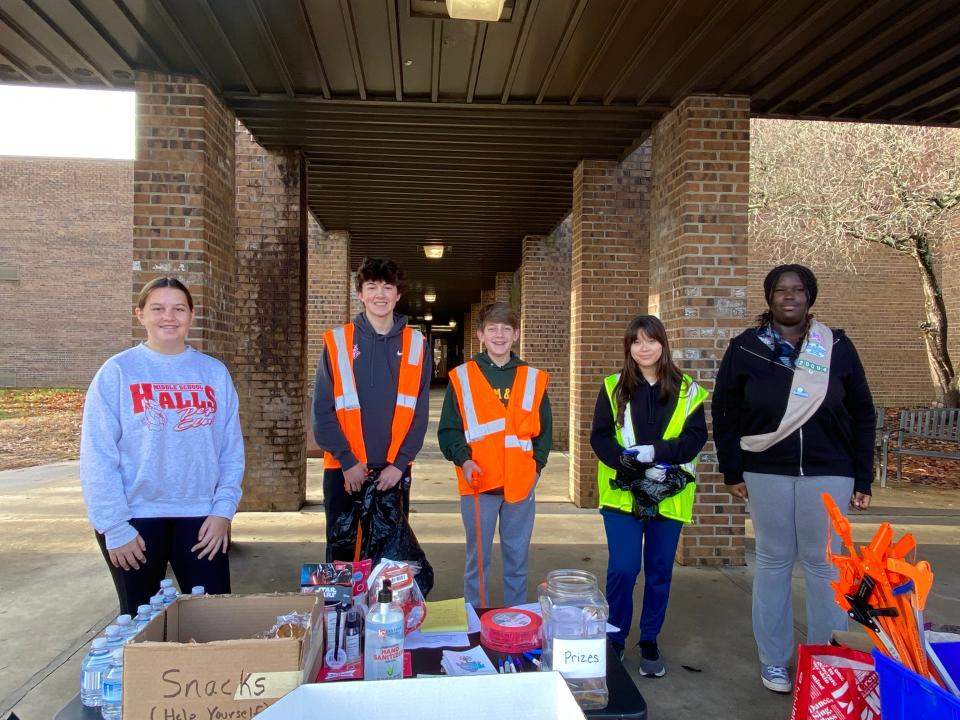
(516, 662)
(509, 663)
(500, 665)
(535, 662)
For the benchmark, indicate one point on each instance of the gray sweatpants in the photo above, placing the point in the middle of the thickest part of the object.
(789, 521)
(516, 527)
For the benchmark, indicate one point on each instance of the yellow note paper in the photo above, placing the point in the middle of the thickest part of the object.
(445, 616)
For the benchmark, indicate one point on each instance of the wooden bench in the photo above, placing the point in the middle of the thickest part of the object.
(938, 425)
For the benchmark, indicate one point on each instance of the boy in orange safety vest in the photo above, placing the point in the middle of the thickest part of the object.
(371, 395)
(497, 428)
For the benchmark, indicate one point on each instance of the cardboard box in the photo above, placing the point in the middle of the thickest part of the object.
(521, 696)
(227, 672)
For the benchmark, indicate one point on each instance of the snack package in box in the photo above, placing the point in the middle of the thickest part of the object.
(406, 592)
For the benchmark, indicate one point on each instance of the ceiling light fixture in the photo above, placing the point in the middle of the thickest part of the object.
(428, 317)
(430, 297)
(434, 251)
(484, 10)
(453, 323)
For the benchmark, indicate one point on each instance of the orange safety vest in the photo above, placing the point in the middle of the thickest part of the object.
(339, 346)
(500, 438)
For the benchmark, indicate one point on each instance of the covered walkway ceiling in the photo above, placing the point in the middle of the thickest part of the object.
(417, 126)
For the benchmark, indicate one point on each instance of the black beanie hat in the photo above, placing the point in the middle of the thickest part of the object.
(804, 273)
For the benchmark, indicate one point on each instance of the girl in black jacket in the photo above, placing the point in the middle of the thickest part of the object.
(792, 418)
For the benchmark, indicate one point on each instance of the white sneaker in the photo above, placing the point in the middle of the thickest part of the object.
(776, 678)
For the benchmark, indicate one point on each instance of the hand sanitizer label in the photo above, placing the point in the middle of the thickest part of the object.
(580, 658)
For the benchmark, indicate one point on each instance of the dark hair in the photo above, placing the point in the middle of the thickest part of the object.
(163, 282)
(806, 276)
(498, 312)
(669, 376)
(373, 269)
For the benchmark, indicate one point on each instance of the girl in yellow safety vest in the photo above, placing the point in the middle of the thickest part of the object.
(649, 416)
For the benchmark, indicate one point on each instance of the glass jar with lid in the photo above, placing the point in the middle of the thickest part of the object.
(574, 634)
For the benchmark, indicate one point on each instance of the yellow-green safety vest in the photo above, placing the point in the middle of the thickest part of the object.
(679, 506)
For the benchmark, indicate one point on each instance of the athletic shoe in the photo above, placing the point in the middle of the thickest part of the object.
(651, 664)
(776, 678)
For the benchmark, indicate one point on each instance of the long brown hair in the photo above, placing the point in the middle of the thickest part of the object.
(669, 377)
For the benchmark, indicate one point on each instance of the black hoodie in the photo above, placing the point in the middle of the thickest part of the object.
(376, 366)
(751, 396)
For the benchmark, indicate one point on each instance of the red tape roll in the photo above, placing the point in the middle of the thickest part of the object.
(510, 630)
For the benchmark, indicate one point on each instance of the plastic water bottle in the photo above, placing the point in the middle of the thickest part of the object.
(92, 669)
(112, 688)
(170, 595)
(127, 628)
(144, 615)
(383, 651)
(198, 590)
(115, 637)
(156, 605)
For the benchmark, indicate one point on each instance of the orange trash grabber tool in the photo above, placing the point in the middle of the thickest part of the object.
(921, 575)
(474, 480)
(899, 625)
(841, 525)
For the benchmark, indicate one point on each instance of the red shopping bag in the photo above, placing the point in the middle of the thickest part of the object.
(835, 683)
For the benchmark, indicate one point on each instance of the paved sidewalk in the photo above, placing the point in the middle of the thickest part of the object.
(56, 593)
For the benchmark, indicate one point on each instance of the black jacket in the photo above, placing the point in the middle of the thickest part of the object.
(750, 397)
(376, 367)
(650, 420)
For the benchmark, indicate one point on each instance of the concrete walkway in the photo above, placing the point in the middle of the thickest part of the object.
(56, 593)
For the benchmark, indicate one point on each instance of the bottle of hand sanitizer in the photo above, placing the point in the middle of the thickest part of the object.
(383, 639)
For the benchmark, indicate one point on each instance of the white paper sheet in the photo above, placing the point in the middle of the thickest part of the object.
(535, 608)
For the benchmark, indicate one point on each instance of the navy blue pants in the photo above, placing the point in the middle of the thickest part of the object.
(632, 544)
(168, 541)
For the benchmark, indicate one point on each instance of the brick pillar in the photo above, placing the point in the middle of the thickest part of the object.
(356, 307)
(470, 341)
(698, 267)
(504, 284)
(608, 288)
(545, 320)
(328, 301)
(271, 252)
(183, 202)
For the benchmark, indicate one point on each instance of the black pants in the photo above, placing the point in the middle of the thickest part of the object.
(336, 500)
(168, 540)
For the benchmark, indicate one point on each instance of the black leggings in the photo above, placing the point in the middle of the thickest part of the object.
(168, 540)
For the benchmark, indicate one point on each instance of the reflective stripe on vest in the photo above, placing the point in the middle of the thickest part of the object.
(473, 429)
(339, 342)
(679, 506)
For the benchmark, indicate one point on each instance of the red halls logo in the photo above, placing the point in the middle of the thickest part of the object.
(195, 405)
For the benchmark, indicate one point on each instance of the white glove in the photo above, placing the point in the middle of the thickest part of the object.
(656, 473)
(644, 453)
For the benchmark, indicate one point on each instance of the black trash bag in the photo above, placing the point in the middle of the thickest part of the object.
(386, 532)
(647, 492)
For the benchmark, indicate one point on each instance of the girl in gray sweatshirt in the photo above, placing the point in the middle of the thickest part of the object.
(161, 455)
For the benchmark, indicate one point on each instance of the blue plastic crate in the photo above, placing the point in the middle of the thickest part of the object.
(904, 695)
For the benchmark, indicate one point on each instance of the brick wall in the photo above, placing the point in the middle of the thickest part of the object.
(880, 306)
(698, 283)
(949, 251)
(65, 231)
(545, 320)
(270, 323)
(608, 288)
(329, 290)
(503, 286)
(183, 211)
(470, 340)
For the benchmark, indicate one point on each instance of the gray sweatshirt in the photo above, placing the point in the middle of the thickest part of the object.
(161, 438)
(376, 367)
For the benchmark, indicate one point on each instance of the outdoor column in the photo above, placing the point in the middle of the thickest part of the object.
(698, 277)
(608, 288)
(470, 339)
(545, 320)
(271, 322)
(328, 301)
(183, 202)
(503, 287)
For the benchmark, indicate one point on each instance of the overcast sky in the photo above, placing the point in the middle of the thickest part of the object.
(51, 122)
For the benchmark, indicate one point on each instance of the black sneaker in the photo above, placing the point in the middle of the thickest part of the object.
(651, 664)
